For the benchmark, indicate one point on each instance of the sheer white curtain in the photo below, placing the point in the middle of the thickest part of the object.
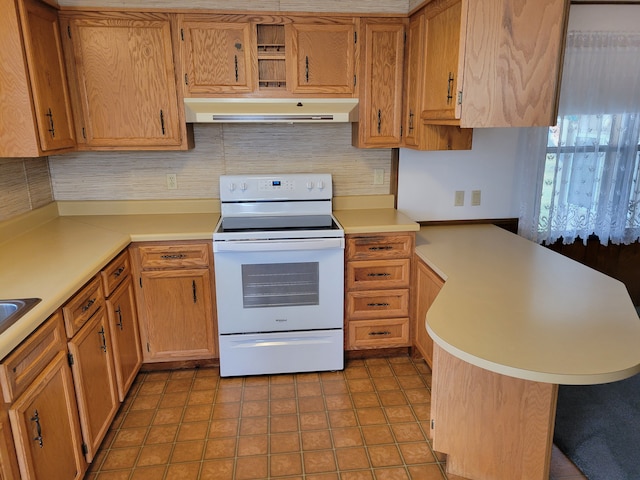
(581, 176)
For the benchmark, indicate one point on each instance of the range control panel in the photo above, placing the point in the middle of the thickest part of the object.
(293, 186)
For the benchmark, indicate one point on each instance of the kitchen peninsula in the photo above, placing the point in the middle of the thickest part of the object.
(512, 321)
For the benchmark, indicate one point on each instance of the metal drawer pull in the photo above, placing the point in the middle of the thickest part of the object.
(88, 305)
(118, 272)
(36, 419)
(385, 247)
(103, 347)
(195, 295)
(119, 312)
(377, 304)
(378, 274)
(385, 332)
(175, 256)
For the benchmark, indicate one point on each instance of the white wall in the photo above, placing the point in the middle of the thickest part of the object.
(428, 180)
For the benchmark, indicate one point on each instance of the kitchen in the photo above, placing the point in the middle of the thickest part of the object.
(226, 149)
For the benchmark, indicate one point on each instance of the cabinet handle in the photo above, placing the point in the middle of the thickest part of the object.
(162, 121)
(377, 304)
(378, 274)
(52, 130)
(384, 332)
(118, 272)
(450, 88)
(175, 256)
(88, 305)
(195, 295)
(103, 347)
(411, 120)
(306, 68)
(235, 60)
(384, 247)
(119, 312)
(379, 120)
(36, 419)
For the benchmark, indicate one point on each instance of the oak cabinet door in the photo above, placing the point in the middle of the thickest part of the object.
(217, 56)
(44, 420)
(178, 314)
(381, 76)
(126, 82)
(125, 336)
(321, 58)
(94, 379)
(426, 286)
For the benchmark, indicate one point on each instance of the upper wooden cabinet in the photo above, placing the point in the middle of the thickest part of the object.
(321, 57)
(34, 95)
(125, 83)
(419, 94)
(217, 56)
(493, 63)
(380, 89)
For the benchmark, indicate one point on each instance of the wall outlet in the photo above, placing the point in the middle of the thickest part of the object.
(378, 176)
(458, 200)
(476, 197)
(172, 181)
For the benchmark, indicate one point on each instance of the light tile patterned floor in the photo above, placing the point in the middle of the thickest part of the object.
(367, 422)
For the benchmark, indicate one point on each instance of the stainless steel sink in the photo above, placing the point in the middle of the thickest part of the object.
(12, 310)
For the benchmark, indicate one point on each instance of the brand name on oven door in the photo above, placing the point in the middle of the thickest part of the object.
(280, 320)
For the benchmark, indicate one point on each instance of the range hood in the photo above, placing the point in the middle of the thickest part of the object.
(271, 110)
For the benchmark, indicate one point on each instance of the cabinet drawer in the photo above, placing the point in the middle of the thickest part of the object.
(375, 274)
(379, 247)
(174, 256)
(379, 333)
(28, 359)
(115, 272)
(377, 304)
(82, 306)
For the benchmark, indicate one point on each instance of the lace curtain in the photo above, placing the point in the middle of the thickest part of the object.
(581, 176)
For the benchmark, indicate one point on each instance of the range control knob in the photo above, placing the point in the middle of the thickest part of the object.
(232, 187)
(309, 185)
(243, 186)
(320, 185)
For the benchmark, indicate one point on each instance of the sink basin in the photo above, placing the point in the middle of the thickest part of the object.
(12, 310)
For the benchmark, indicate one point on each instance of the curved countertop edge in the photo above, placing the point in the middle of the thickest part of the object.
(448, 301)
(73, 237)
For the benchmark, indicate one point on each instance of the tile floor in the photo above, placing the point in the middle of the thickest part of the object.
(367, 422)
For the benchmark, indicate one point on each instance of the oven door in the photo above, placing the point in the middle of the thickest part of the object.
(279, 285)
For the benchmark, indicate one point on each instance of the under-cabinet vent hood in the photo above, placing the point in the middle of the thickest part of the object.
(271, 110)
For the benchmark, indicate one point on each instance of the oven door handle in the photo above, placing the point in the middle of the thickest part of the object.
(278, 245)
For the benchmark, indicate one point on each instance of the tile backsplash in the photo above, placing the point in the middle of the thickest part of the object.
(25, 184)
(222, 149)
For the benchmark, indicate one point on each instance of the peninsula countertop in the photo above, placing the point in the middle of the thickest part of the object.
(516, 308)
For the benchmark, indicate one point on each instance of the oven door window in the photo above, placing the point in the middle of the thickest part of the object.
(280, 284)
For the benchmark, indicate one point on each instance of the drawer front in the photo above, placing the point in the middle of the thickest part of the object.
(375, 274)
(379, 246)
(28, 359)
(377, 304)
(115, 272)
(174, 256)
(82, 306)
(386, 333)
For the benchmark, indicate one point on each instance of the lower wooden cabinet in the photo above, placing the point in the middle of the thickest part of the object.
(377, 298)
(8, 460)
(95, 380)
(426, 286)
(44, 414)
(174, 284)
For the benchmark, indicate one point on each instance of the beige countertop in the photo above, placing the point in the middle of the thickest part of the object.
(53, 259)
(513, 307)
(375, 220)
